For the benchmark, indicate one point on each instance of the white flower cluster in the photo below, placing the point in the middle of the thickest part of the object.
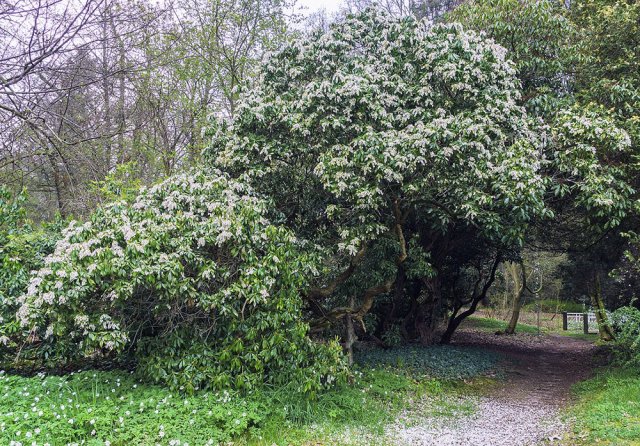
(173, 244)
(581, 137)
(380, 109)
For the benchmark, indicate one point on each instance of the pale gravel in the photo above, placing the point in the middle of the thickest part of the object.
(495, 422)
(526, 410)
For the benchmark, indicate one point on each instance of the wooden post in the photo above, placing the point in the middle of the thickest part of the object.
(585, 322)
(565, 321)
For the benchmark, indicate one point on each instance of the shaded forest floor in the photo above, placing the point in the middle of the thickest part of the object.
(540, 370)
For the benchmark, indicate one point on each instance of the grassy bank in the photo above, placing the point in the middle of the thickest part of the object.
(493, 325)
(608, 411)
(112, 408)
(549, 323)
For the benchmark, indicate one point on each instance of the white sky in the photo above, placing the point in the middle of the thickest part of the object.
(314, 5)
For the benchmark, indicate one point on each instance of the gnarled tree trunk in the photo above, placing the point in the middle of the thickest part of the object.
(478, 295)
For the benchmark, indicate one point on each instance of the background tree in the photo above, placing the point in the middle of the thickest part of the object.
(539, 38)
(119, 82)
(432, 10)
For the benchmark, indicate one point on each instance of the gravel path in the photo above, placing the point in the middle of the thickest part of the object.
(525, 409)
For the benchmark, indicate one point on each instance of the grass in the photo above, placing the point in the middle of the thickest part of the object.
(112, 408)
(493, 325)
(608, 411)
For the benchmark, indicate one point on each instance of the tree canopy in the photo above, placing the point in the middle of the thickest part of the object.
(389, 128)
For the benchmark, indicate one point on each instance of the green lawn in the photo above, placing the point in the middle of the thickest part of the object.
(112, 408)
(608, 411)
(493, 325)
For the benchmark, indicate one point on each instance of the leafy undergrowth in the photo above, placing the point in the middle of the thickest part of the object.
(112, 408)
(493, 325)
(609, 409)
(439, 361)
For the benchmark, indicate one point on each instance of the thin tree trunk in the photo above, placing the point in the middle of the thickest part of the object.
(351, 334)
(106, 96)
(58, 185)
(519, 283)
(121, 98)
(604, 327)
(456, 319)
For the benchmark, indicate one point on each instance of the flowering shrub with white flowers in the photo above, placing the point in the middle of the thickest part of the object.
(193, 278)
(380, 109)
(388, 131)
(23, 247)
(589, 154)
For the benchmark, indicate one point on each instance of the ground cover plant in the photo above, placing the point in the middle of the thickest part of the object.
(116, 408)
(441, 361)
(608, 411)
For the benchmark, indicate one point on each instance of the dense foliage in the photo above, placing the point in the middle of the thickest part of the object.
(380, 110)
(23, 247)
(577, 64)
(610, 74)
(587, 149)
(193, 278)
(539, 38)
(626, 325)
(393, 137)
